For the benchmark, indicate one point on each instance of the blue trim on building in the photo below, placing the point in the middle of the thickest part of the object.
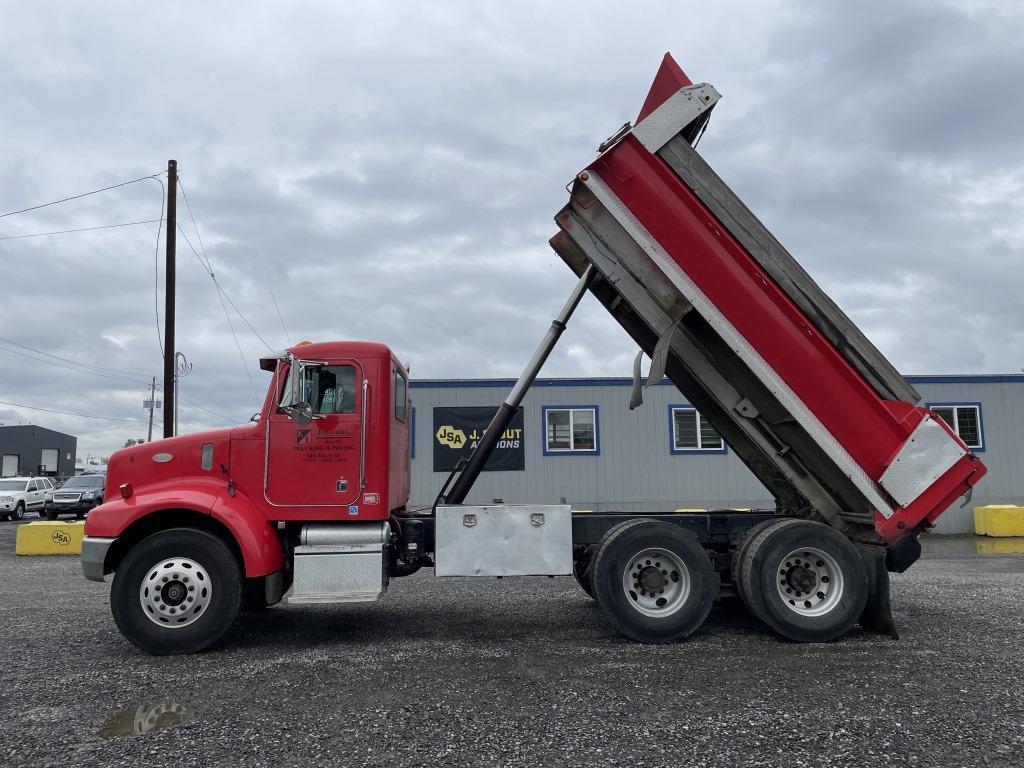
(575, 452)
(611, 381)
(981, 420)
(984, 378)
(689, 451)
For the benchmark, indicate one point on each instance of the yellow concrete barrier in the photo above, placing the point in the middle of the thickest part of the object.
(50, 538)
(999, 520)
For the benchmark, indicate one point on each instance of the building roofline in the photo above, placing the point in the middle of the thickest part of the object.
(623, 381)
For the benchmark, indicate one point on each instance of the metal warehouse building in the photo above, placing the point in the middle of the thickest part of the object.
(577, 442)
(28, 449)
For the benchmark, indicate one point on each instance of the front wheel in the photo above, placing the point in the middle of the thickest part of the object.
(653, 580)
(19, 511)
(804, 580)
(177, 591)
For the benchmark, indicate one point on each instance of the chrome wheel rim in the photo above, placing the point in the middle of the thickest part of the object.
(175, 593)
(809, 581)
(656, 582)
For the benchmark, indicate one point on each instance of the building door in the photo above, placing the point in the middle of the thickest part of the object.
(9, 467)
(48, 460)
(317, 464)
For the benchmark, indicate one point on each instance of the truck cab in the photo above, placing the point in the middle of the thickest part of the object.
(330, 445)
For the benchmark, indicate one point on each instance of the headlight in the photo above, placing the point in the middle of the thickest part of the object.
(88, 495)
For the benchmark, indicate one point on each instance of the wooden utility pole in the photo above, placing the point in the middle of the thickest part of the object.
(172, 204)
(152, 407)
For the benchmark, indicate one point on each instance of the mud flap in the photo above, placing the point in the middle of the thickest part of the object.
(877, 615)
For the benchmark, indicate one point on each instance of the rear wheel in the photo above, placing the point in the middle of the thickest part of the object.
(804, 580)
(653, 580)
(177, 591)
(740, 553)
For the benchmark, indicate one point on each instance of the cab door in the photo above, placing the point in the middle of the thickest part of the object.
(318, 464)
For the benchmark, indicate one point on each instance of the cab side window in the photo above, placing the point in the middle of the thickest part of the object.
(332, 389)
(401, 397)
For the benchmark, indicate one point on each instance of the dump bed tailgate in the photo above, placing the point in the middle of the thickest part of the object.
(815, 410)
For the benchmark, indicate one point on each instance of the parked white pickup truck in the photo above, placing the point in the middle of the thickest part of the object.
(19, 494)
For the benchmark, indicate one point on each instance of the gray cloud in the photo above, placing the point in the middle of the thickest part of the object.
(393, 174)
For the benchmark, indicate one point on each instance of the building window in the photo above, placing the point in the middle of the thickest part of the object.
(570, 429)
(692, 433)
(965, 419)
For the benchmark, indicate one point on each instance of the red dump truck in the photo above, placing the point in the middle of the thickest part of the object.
(309, 503)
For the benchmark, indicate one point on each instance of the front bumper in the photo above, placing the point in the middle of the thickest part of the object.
(94, 555)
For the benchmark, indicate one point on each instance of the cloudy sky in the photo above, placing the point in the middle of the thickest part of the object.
(391, 171)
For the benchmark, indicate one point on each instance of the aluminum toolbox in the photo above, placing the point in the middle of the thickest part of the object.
(503, 540)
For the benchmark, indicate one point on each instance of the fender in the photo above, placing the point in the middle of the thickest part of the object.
(256, 539)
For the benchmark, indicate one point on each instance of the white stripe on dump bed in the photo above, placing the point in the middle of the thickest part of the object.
(782, 392)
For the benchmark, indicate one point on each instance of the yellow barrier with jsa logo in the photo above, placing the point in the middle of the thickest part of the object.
(50, 538)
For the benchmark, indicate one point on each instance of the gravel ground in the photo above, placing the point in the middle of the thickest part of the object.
(518, 672)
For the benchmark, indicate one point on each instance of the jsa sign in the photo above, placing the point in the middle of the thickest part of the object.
(458, 430)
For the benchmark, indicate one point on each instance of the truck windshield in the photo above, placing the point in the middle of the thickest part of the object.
(12, 485)
(84, 481)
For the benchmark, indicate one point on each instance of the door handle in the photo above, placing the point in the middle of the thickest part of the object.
(342, 485)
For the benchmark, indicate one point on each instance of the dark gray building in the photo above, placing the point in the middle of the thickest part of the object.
(578, 442)
(33, 450)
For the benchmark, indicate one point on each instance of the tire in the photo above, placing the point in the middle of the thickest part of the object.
(804, 580)
(581, 570)
(19, 511)
(740, 552)
(51, 514)
(682, 594)
(193, 611)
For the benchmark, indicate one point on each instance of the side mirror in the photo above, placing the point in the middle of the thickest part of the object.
(300, 413)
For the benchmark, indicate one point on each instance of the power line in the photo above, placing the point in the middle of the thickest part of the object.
(93, 398)
(82, 229)
(207, 410)
(209, 270)
(156, 267)
(280, 317)
(188, 207)
(112, 373)
(66, 413)
(227, 317)
(118, 379)
(84, 194)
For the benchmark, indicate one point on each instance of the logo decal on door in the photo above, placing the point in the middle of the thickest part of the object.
(302, 436)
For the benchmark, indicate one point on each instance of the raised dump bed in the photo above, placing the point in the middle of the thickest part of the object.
(806, 401)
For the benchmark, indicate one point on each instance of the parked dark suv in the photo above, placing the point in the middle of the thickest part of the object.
(77, 496)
